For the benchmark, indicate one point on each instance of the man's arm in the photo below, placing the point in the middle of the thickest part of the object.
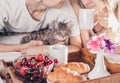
(39, 49)
(11, 47)
(18, 47)
(75, 46)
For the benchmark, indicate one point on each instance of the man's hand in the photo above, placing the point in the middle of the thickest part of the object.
(34, 43)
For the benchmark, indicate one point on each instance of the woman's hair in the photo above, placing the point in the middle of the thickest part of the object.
(81, 4)
(113, 5)
(118, 11)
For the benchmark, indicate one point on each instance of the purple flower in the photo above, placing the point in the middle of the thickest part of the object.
(109, 46)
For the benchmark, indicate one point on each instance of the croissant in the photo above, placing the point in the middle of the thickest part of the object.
(75, 66)
(65, 75)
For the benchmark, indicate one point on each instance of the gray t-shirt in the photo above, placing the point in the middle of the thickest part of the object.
(14, 16)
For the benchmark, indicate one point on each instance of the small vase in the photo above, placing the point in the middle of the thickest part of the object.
(99, 69)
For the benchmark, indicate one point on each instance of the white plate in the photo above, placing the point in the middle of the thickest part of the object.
(113, 58)
(9, 56)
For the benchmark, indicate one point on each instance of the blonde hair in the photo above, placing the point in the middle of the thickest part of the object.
(113, 5)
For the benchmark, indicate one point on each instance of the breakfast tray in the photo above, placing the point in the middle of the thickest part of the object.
(10, 76)
(113, 78)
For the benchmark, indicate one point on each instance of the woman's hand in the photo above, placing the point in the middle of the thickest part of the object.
(101, 22)
(103, 19)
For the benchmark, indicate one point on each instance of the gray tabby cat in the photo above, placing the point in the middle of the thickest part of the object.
(52, 34)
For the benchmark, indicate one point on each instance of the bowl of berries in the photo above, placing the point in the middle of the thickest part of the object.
(31, 69)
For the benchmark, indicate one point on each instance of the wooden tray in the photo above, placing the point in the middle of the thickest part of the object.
(73, 57)
(113, 78)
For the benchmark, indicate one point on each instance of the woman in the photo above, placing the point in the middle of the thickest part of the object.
(30, 15)
(109, 19)
(104, 9)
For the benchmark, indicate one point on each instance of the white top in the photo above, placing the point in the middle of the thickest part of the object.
(15, 16)
(115, 25)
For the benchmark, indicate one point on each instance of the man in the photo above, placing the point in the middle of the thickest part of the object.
(30, 15)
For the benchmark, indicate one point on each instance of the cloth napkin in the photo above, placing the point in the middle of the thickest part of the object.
(9, 56)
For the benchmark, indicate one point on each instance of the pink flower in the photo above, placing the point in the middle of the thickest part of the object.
(100, 40)
(93, 45)
(96, 43)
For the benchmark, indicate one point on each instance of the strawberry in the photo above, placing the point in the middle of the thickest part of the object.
(18, 64)
(23, 71)
(40, 58)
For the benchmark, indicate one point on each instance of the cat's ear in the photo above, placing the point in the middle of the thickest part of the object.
(54, 25)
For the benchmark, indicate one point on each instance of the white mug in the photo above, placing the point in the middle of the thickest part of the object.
(60, 52)
(86, 18)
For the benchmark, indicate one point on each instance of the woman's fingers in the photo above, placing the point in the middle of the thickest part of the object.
(103, 23)
(103, 19)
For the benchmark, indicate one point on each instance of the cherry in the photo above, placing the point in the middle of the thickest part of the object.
(50, 62)
(46, 57)
(55, 60)
(33, 61)
(24, 60)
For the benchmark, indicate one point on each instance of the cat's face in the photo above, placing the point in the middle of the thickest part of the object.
(61, 31)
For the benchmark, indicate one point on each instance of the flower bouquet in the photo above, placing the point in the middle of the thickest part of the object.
(97, 45)
(100, 41)
(103, 42)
